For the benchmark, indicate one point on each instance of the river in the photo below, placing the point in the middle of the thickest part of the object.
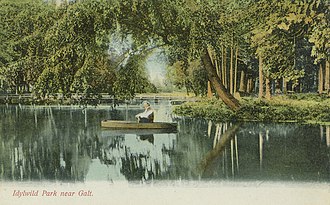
(66, 143)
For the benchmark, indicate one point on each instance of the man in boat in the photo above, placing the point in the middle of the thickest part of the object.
(147, 115)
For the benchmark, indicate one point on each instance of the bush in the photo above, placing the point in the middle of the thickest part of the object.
(259, 110)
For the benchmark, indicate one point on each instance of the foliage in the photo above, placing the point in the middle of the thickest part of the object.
(23, 23)
(209, 109)
(97, 76)
(278, 110)
(73, 44)
(131, 79)
(60, 50)
(320, 31)
(280, 28)
(192, 76)
(47, 49)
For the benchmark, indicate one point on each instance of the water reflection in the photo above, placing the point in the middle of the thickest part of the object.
(140, 157)
(223, 136)
(67, 144)
(45, 143)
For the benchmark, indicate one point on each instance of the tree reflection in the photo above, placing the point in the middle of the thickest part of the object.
(67, 144)
(139, 157)
(221, 141)
(45, 149)
(267, 151)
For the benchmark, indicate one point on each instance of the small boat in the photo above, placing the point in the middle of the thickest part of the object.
(115, 124)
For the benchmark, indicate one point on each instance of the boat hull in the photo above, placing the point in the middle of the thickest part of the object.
(114, 124)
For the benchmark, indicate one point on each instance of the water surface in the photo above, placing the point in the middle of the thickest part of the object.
(67, 144)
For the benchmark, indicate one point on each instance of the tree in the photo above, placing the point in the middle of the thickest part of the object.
(131, 78)
(192, 76)
(23, 23)
(96, 76)
(318, 18)
(280, 36)
(217, 84)
(77, 46)
(63, 44)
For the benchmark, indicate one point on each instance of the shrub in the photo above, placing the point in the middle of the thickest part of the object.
(260, 110)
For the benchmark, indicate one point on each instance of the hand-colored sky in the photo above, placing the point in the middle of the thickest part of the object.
(156, 66)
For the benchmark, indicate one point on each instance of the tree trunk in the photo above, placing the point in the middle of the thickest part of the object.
(224, 67)
(268, 93)
(231, 71)
(327, 134)
(217, 67)
(327, 76)
(214, 60)
(320, 79)
(209, 90)
(235, 72)
(249, 85)
(285, 86)
(261, 86)
(227, 98)
(242, 85)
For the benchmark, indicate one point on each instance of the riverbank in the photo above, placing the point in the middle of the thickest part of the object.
(81, 99)
(303, 108)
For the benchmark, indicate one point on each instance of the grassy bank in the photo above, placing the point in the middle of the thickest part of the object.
(306, 108)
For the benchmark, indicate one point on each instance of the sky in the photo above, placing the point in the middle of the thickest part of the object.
(156, 67)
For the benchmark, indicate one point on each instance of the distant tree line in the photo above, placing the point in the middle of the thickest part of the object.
(267, 46)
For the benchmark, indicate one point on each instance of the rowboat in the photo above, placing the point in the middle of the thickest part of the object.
(115, 124)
